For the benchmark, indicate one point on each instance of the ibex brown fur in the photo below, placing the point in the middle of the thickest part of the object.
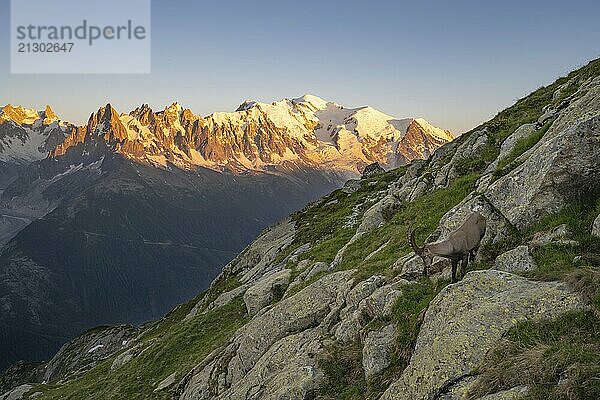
(461, 244)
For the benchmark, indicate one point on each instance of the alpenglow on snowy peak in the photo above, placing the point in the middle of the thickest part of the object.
(28, 135)
(307, 131)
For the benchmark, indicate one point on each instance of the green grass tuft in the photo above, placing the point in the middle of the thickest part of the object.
(556, 359)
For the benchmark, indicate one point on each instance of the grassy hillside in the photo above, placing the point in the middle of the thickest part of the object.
(557, 359)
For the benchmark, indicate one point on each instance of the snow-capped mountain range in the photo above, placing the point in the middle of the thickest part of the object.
(307, 131)
(28, 135)
(148, 206)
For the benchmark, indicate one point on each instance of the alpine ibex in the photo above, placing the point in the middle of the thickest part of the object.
(461, 244)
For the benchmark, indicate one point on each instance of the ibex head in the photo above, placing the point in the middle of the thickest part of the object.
(422, 252)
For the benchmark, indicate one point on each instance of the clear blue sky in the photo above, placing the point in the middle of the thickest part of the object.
(455, 63)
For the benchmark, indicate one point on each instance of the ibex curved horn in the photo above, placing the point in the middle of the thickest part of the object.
(411, 240)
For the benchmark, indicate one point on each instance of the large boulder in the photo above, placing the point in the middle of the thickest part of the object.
(378, 214)
(87, 350)
(557, 234)
(472, 147)
(377, 350)
(255, 261)
(466, 320)
(516, 260)
(580, 110)
(222, 375)
(288, 370)
(510, 142)
(372, 169)
(561, 167)
(263, 292)
(596, 227)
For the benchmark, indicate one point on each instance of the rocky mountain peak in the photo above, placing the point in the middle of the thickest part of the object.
(313, 101)
(49, 116)
(307, 131)
(19, 115)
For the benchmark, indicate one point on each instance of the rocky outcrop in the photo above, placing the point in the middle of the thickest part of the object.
(516, 260)
(16, 393)
(21, 373)
(579, 110)
(372, 169)
(288, 370)
(562, 165)
(596, 227)
(465, 321)
(254, 261)
(368, 300)
(262, 293)
(377, 350)
(522, 132)
(351, 186)
(473, 146)
(251, 350)
(516, 393)
(87, 350)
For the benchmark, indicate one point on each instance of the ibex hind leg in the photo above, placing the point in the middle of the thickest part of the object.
(454, 266)
(463, 266)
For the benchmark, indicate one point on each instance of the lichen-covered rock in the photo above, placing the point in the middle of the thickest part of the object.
(288, 370)
(219, 376)
(377, 350)
(469, 148)
(167, 382)
(381, 302)
(87, 350)
(466, 320)
(580, 110)
(404, 188)
(309, 271)
(378, 301)
(16, 393)
(558, 168)
(362, 290)
(516, 393)
(509, 143)
(252, 263)
(372, 169)
(262, 293)
(458, 390)
(226, 297)
(560, 233)
(352, 315)
(351, 186)
(596, 227)
(317, 268)
(378, 214)
(516, 260)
